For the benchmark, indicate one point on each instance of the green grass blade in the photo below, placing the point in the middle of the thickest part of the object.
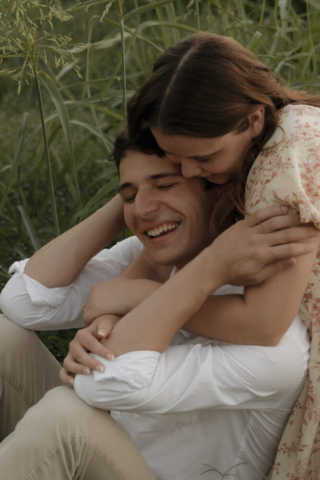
(157, 23)
(81, 103)
(128, 30)
(57, 99)
(313, 3)
(124, 72)
(99, 195)
(95, 131)
(146, 8)
(254, 42)
(93, 82)
(198, 14)
(165, 35)
(29, 227)
(18, 151)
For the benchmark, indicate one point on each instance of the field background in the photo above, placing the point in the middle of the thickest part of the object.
(83, 115)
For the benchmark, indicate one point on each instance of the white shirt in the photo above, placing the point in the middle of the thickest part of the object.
(200, 405)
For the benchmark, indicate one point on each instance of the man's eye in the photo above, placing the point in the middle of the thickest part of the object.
(129, 199)
(167, 185)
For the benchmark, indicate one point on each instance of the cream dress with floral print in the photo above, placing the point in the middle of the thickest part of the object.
(289, 174)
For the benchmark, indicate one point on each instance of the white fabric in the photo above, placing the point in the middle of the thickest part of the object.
(221, 405)
(33, 306)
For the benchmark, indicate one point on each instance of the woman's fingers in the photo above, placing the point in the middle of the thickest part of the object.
(271, 269)
(66, 377)
(290, 235)
(82, 357)
(288, 252)
(72, 366)
(85, 340)
(79, 348)
(279, 223)
(265, 214)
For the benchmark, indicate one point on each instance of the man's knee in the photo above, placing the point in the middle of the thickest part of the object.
(12, 335)
(60, 406)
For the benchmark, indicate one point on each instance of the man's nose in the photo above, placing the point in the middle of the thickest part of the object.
(145, 204)
(190, 168)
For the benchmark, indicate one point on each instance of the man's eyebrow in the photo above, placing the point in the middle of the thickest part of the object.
(165, 175)
(123, 186)
(156, 176)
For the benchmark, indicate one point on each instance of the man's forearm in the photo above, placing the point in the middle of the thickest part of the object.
(59, 263)
(152, 324)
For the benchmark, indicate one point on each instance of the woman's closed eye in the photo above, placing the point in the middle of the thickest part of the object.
(204, 159)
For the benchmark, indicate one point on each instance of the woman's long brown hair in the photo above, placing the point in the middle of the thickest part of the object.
(206, 86)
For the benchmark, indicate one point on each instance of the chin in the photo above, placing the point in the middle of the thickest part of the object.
(165, 260)
(221, 179)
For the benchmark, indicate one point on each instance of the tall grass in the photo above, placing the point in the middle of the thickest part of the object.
(81, 116)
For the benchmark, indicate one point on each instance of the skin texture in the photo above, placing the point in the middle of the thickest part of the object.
(276, 301)
(217, 159)
(248, 247)
(155, 194)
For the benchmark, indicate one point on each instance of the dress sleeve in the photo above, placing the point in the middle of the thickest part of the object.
(32, 305)
(287, 171)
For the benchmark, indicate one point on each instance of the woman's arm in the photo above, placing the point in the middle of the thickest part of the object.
(223, 317)
(59, 263)
(152, 324)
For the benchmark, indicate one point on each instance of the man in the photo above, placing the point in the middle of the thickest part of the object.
(210, 400)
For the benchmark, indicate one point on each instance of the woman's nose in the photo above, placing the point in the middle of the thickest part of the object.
(190, 169)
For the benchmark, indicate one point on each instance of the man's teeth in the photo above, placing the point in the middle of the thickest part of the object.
(156, 231)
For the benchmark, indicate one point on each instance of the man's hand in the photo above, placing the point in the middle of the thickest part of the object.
(117, 296)
(263, 244)
(87, 340)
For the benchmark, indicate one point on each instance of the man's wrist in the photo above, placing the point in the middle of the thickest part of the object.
(116, 204)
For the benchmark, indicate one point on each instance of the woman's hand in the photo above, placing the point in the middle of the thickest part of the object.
(263, 244)
(117, 296)
(87, 340)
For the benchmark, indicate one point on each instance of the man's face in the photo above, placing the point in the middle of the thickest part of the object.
(169, 213)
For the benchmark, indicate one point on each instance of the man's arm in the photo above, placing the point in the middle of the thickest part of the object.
(194, 377)
(59, 263)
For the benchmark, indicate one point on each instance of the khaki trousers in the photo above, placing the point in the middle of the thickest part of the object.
(58, 437)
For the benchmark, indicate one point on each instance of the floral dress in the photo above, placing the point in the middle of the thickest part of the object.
(287, 172)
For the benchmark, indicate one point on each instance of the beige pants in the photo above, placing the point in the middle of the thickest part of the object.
(58, 437)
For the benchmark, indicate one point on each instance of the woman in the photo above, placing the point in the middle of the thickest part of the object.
(214, 108)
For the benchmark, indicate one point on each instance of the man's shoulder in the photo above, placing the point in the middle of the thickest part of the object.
(129, 248)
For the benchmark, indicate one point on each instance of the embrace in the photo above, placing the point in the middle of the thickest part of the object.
(199, 356)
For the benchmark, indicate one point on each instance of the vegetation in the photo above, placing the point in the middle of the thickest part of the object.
(75, 63)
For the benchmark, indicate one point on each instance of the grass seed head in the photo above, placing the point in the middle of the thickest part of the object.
(25, 42)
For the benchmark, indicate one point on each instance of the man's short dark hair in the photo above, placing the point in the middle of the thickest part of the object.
(145, 143)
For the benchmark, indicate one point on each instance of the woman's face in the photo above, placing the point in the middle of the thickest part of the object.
(217, 159)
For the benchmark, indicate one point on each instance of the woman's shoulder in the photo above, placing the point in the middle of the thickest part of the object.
(297, 123)
(287, 170)
(298, 111)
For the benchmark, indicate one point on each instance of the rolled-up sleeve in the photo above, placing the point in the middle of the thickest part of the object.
(32, 305)
(194, 377)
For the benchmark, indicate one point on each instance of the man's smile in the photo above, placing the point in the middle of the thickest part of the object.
(162, 229)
